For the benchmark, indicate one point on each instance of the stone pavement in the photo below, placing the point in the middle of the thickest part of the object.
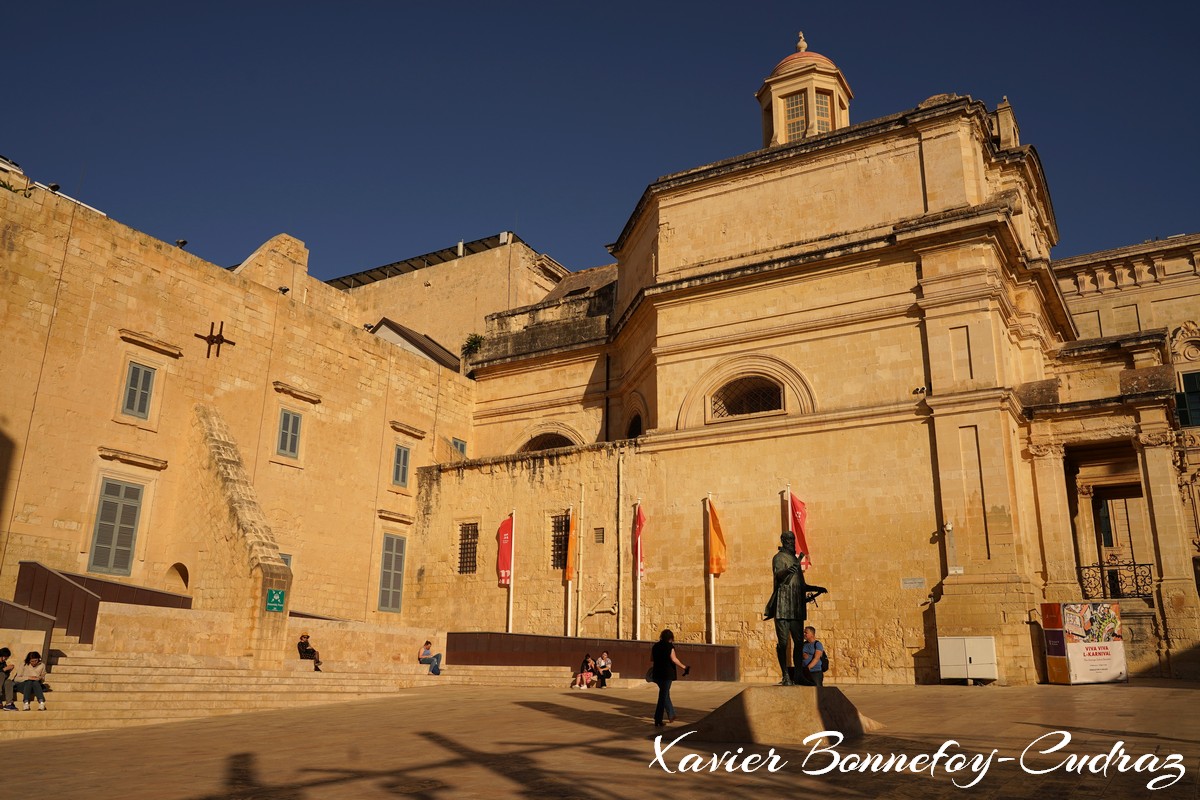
(458, 741)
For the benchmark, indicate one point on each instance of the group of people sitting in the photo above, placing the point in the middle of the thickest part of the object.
(598, 670)
(28, 679)
(425, 655)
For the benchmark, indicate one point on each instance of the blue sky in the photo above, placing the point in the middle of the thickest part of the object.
(376, 131)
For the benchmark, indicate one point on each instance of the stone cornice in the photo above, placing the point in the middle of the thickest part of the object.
(150, 343)
(406, 429)
(395, 516)
(296, 392)
(133, 459)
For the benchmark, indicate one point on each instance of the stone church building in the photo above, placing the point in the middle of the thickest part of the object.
(865, 315)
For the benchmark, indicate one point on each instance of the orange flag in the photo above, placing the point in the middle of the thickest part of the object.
(569, 572)
(639, 524)
(716, 542)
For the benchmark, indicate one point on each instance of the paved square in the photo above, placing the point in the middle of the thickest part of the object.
(453, 742)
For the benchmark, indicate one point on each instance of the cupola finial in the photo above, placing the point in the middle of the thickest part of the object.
(801, 45)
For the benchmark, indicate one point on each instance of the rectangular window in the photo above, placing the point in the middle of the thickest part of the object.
(289, 434)
(598, 535)
(116, 527)
(138, 385)
(460, 446)
(795, 116)
(1187, 402)
(391, 573)
(560, 528)
(287, 558)
(468, 548)
(400, 467)
(824, 113)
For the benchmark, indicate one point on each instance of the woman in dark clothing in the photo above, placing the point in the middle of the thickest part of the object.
(664, 661)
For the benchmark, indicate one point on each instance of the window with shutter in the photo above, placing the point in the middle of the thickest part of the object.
(391, 573)
(289, 434)
(116, 527)
(400, 466)
(139, 383)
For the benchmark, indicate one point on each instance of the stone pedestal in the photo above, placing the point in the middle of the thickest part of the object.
(783, 715)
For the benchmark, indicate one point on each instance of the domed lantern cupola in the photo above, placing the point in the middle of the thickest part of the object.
(805, 95)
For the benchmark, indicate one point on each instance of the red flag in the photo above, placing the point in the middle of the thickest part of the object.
(504, 542)
(639, 522)
(716, 542)
(570, 566)
(799, 519)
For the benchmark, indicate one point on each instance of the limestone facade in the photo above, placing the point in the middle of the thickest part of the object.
(866, 316)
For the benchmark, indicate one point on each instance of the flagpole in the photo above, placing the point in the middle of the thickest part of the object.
(637, 574)
(787, 507)
(570, 577)
(712, 584)
(512, 573)
(579, 564)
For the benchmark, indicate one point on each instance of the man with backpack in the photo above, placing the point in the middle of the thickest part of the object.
(813, 657)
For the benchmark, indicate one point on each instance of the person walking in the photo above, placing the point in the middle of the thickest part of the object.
(663, 663)
(811, 656)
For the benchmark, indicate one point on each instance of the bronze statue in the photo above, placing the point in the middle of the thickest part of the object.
(788, 605)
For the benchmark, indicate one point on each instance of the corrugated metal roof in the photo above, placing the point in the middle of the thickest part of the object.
(420, 262)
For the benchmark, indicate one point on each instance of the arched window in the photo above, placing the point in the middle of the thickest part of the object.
(635, 427)
(743, 396)
(546, 441)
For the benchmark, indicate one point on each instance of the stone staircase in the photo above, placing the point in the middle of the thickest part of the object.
(92, 691)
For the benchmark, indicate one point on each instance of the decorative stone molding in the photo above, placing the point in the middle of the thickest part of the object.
(1085, 489)
(1159, 439)
(406, 429)
(1047, 450)
(299, 394)
(133, 459)
(395, 516)
(1185, 341)
(150, 343)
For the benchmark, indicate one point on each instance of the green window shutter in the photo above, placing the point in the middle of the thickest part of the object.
(400, 467)
(391, 573)
(289, 434)
(116, 527)
(138, 385)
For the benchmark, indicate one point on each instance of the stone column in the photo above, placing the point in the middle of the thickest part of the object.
(1054, 520)
(1176, 591)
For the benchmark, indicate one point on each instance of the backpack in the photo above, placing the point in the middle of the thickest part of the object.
(824, 660)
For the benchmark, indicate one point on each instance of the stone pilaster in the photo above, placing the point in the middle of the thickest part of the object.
(1054, 521)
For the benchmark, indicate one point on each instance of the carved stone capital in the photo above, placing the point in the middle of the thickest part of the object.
(1157, 439)
(1085, 489)
(1047, 450)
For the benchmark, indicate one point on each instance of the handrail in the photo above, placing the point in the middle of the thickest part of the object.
(117, 592)
(73, 607)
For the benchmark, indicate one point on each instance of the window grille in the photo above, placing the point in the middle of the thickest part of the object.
(795, 115)
(744, 396)
(598, 535)
(560, 528)
(468, 548)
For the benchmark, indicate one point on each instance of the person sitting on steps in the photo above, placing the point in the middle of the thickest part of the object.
(307, 653)
(425, 656)
(29, 677)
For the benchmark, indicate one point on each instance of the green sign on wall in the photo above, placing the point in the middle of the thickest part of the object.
(275, 599)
